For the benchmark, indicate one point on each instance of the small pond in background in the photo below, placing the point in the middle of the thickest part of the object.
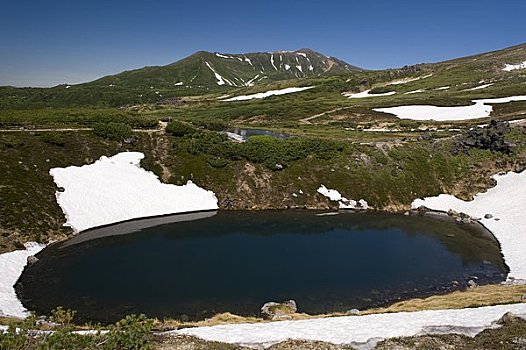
(236, 261)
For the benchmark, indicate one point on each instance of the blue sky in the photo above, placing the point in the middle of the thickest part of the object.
(44, 43)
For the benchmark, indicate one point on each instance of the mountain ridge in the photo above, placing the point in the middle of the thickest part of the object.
(216, 69)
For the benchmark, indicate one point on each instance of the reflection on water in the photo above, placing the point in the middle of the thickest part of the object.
(134, 226)
(237, 261)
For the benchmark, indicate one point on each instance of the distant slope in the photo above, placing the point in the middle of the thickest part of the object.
(206, 69)
(206, 75)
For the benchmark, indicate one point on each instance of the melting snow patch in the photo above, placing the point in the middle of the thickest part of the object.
(272, 62)
(414, 92)
(220, 79)
(360, 331)
(115, 189)
(344, 203)
(11, 266)
(223, 56)
(442, 88)
(510, 67)
(480, 109)
(408, 80)
(268, 94)
(480, 87)
(506, 202)
(366, 93)
(234, 136)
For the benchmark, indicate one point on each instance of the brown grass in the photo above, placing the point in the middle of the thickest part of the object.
(473, 297)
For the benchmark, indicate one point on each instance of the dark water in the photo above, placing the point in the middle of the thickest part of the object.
(237, 261)
(246, 133)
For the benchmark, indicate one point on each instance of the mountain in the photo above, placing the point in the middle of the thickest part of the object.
(207, 69)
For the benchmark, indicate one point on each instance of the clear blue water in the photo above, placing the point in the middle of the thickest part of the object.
(237, 261)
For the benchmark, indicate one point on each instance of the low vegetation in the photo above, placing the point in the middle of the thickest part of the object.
(132, 332)
(113, 131)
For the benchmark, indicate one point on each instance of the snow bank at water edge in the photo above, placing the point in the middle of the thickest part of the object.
(115, 189)
(361, 331)
(510, 67)
(344, 203)
(506, 204)
(480, 109)
(269, 93)
(11, 266)
(366, 93)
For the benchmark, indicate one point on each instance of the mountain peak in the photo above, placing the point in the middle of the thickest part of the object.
(204, 69)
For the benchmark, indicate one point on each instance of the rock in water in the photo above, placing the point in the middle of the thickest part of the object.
(279, 311)
(32, 260)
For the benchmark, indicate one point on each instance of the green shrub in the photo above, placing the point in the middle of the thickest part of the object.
(179, 129)
(113, 131)
(258, 149)
(53, 138)
(12, 142)
(132, 332)
(217, 162)
(211, 124)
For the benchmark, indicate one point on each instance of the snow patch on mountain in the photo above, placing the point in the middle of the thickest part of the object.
(272, 62)
(367, 93)
(511, 67)
(269, 93)
(480, 109)
(480, 87)
(220, 79)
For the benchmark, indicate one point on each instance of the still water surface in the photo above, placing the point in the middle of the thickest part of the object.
(237, 261)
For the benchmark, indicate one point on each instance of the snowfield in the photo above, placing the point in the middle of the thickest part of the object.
(510, 67)
(480, 109)
(414, 92)
(361, 331)
(11, 266)
(343, 202)
(408, 80)
(366, 93)
(269, 93)
(506, 203)
(480, 87)
(115, 189)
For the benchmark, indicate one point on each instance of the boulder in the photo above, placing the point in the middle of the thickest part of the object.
(488, 216)
(279, 311)
(32, 260)
(492, 137)
(508, 317)
(353, 312)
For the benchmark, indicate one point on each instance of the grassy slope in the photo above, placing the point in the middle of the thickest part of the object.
(28, 210)
(385, 178)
